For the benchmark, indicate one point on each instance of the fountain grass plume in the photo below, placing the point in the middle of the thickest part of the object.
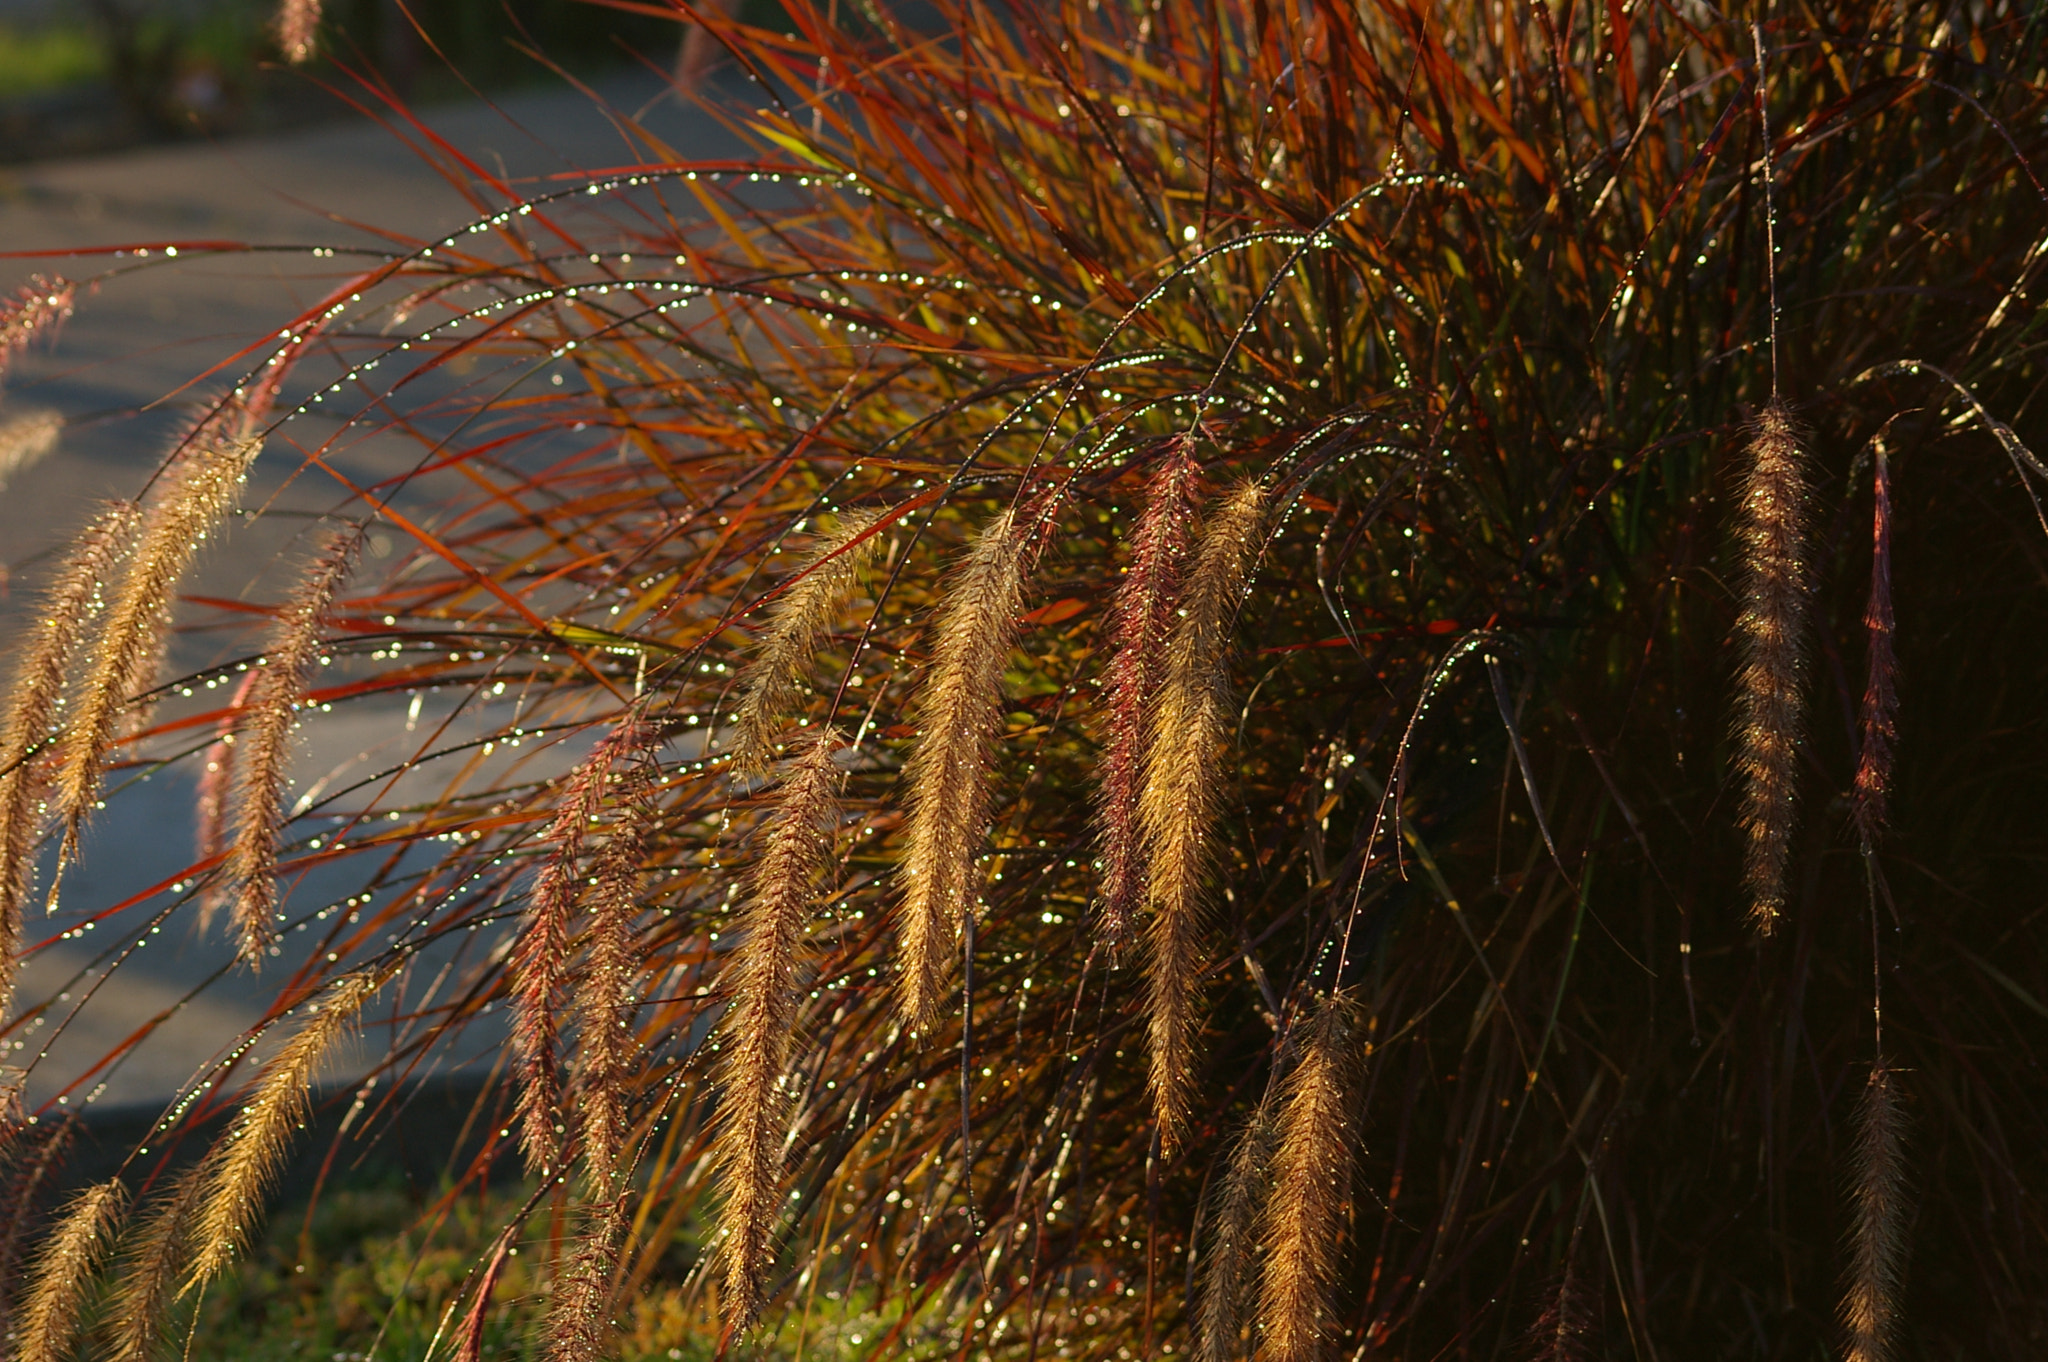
(242, 1165)
(1190, 727)
(153, 1260)
(1870, 1307)
(1773, 638)
(764, 979)
(174, 526)
(1230, 1266)
(959, 711)
(60, 1283)
(605, 1044)
(541, 953)
(297, 29)
(34, 313)
(1877, 722)
(771, 687)
(74, 599)
(27, 440)
(1309, 1205)
(263, 750)
(579, 1317)
(1140, 620)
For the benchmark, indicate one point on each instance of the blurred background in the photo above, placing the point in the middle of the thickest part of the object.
(80, 76)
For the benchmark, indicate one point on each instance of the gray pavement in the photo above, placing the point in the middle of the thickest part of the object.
(148, 332)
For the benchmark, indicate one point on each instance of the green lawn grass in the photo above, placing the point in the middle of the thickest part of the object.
(373, 1271)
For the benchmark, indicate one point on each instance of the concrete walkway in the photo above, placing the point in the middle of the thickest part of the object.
(144, 334)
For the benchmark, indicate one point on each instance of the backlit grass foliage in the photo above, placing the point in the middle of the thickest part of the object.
(1224, 679)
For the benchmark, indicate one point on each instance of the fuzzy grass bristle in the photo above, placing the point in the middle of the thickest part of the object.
(74, 599)
(959, 710)
(1308, 1206)
(764, 979)
(152, 1266)
(262, 750)
(26, 440)
(540, 958)
(174, 526)
(241, 1167)
(579, 1318)
(1141, 618)
(1230, 1263)
(604, 993)
(32, 1160)
(1878, 1189)
(1190, 724)
(61, 1280)
(1773, 639)
(771, 687)
(297, 28)
(34, 313)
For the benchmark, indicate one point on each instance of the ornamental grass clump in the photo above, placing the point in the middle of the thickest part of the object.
(1195, 677)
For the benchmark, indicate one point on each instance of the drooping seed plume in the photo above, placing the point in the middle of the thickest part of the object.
(34, 313)
(764, 979)
(32, 1159)
(1310, 1198)
(959, 712)
(27, 440)
(1191, 727)
(201, 491)
(579, 1327)
(540, 961)
(1772, 637)
(34, 706)
(214, 802)
(240, 1169)
(1870, 1307)
(1877, 726)
(62, 1277)
(1230, 1271)
(1140, 620)
(210, 806)
(1560, 1331)
(152, 1264)
(771, 687)
(262, 763)
(604, 995)
(298, 29)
